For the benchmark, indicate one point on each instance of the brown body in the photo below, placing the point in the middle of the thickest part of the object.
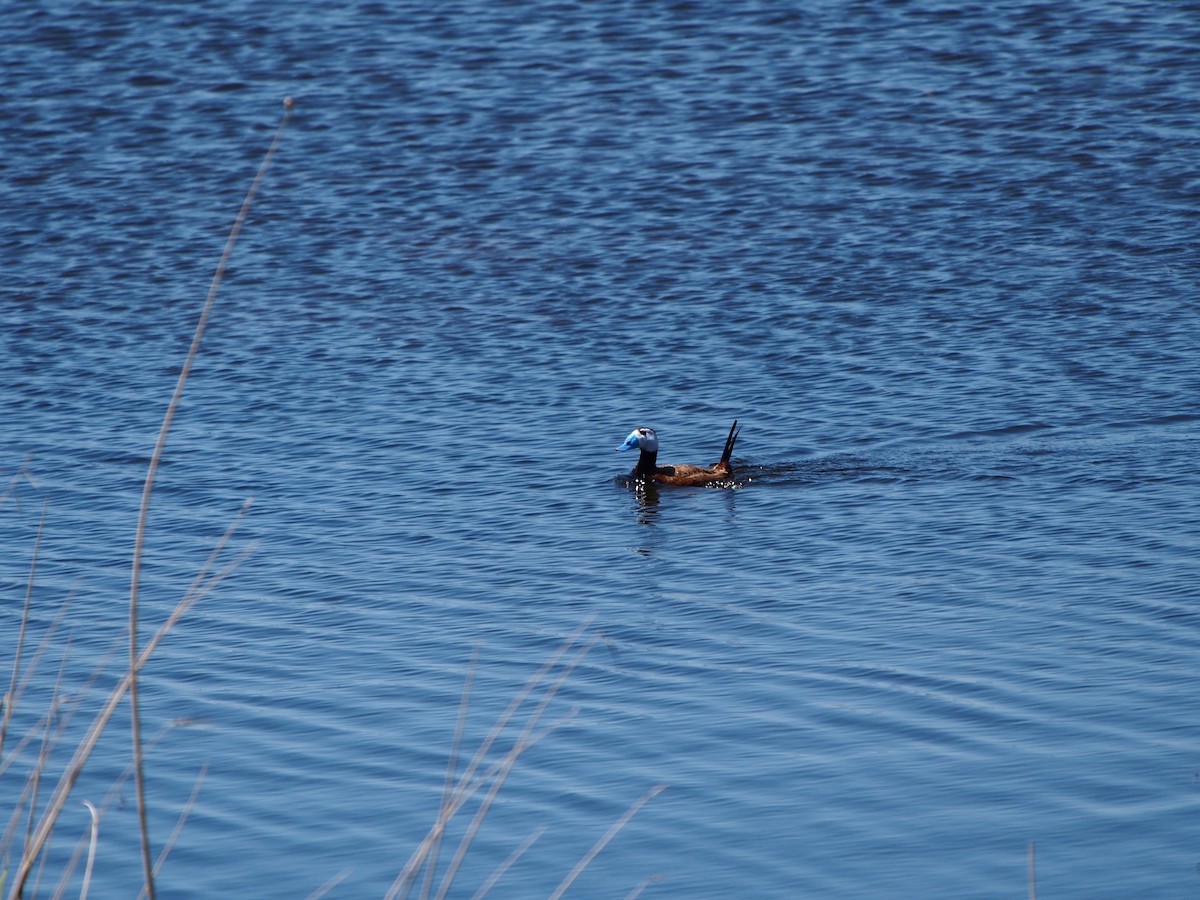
(648, 469)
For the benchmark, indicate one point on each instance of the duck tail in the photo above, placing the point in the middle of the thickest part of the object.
(734, 431)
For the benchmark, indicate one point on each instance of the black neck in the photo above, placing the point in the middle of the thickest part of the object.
(647, 464)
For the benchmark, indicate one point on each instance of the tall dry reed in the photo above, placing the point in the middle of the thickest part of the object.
(41, 825)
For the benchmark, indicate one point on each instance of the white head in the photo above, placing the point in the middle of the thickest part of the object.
(642, 439)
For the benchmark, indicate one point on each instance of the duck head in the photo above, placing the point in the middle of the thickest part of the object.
(641, 439)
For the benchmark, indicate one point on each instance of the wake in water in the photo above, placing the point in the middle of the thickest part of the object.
(877, 469)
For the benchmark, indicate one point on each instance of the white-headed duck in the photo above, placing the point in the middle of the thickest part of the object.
(648, 469)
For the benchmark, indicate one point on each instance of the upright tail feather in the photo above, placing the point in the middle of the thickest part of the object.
(734, 431)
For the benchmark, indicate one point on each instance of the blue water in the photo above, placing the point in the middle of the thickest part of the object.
(939, 259)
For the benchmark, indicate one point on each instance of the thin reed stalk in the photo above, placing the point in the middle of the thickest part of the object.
(91, 858)
(499, 871)
(43, 646)
(510, 760)
(22, 474)
(482, 775)
(10, 698)
(179, 823)
(641, 886)
(148, 488)
(605, 838)
(467, 785)
(329, 885)
(102, 808)
(41, 833)
(451, 767)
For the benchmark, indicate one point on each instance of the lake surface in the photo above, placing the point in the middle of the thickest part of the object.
(939, 259)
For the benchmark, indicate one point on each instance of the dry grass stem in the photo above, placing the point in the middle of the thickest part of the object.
(329, 885)
(467, 783)
(641, 886)
(484, 774)
(451, 767)
(22, 474)
(179, 823)
(505, 767)
(499, 871)
(604, 840)
(43, 646)
(148, 489)
(41, 834)
(110, 798)
(95, 836)
(10, 698)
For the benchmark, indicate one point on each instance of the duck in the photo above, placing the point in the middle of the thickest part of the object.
(647, 468)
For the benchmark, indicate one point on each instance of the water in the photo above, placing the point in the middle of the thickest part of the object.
(938, 259)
